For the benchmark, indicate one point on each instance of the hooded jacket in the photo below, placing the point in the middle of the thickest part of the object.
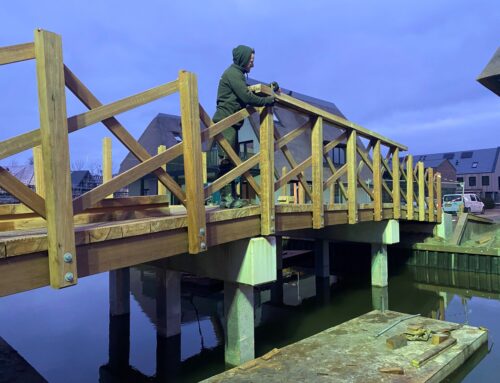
(233, 94)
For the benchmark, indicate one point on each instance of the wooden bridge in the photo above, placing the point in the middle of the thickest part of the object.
(53, 239)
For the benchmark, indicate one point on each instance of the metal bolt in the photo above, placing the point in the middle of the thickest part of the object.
(69, 277)
(68, 257)
(203, 246)
(202, 232)
(272, 218)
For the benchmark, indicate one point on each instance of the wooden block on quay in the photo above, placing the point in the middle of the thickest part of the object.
(434, 351)
(392, 370)
(396, 341)
(439, 338)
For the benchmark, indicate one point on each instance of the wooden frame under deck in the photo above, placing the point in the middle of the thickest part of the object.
(92, 234)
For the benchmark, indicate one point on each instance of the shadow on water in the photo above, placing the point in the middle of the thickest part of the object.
(128, 348)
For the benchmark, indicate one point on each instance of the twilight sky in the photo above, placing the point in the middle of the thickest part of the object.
(405, 69)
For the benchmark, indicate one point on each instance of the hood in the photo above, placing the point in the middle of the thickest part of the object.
(241, 55)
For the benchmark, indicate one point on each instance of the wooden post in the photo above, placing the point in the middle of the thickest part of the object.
(38, 170)
(377, 182)
(204, 161)
(409, 187)
(439, 198)
(267, 171)
(301, 194)
(352, 178)
(162, 190)
(421, 191)
(107, 166)
(430, 187)
(396, 186)
(284, 192)
(332, 194)
(55, 149)
(190, 121)
(317, 173)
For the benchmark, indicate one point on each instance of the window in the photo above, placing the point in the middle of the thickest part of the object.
(466, 155)
(460, 179)
(485, 180)
(177, 136)
(339, 154)
(246, 149)
(474, 164)
(472, 181)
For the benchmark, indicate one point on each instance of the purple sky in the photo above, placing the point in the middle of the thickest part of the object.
(406, 69)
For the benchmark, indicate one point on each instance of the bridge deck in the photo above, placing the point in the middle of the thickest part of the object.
(104, 246)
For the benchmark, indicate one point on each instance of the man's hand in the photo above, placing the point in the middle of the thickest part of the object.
(275, 87)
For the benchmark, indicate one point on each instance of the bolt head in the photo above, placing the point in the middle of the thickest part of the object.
(202, 231)
(68, 257)
(203, 246)
(69, 277)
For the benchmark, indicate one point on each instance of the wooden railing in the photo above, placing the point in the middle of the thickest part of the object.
(381, 156)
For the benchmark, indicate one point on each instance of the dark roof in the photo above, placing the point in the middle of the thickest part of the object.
(77, 176)
(466, 162)
(162, 130)
(490, 76)
(325, 105)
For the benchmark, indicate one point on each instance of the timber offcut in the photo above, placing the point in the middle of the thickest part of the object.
(352, 352)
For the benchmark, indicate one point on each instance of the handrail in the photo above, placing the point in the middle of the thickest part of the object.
(392, 179)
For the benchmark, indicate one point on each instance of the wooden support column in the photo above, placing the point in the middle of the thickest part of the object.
(352, 178)
(396, 186)
(317, 174)
(409, 187)
(430, 188)
(191, 137)
(377, 182)
(267, 171)
(38, 170)
(55, 149)
(439, 198)
(284, 191)
(421, 191)
(162, 189)
(119, 291)
(107, 161)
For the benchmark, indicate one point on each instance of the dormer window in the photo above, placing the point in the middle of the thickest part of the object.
(474, 165)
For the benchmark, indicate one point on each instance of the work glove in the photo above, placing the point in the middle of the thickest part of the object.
(275, 86)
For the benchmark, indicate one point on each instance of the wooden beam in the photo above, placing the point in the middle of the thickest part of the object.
(409, 187)
(220, 182)
(20, 143)
(162, 190)
(352, 205)
(421, 191)
(16, 53)
(377, 182)
(23, 193)
(38, 171)
(293, 173)
(219, 127)
(107, 166)
(439, 198)
(364, 157)
(335, 176)
(290, 136)
(195, 201)
(304, 107)
(317, 173)
(90, 101)
(430, 188)
(104, 112)
(54, 132)
(396, 184)
(207, 121)
(267, 218)
(95, 195)
(235, 159)
(334, 170)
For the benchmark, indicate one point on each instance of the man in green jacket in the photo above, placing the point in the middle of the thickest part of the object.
(233, 95)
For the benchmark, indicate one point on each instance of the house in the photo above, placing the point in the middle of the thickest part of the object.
(82, 181)
(490, 76)
(165, 129)
(478, 169)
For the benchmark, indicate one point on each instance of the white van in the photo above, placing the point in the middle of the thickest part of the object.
(470, 201)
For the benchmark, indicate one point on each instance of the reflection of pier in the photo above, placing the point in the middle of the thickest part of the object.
(14, 368)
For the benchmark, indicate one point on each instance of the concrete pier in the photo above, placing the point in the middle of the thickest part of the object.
(168, 302)
(379, 269)
(239, 314)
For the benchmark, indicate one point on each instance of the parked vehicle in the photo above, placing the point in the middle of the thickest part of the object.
(471, 203)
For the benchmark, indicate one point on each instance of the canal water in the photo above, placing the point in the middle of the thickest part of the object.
(67, 335)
